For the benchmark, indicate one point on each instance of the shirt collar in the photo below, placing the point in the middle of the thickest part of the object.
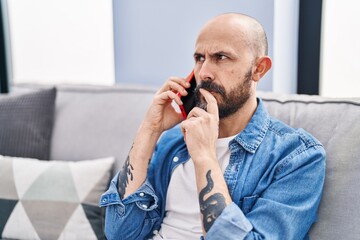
(252, 136)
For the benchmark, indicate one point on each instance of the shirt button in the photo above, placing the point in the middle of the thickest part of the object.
(141, 194)
(104, 200)
(175, 159)
(144, 206)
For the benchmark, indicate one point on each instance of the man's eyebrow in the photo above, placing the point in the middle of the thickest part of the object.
(214, 54)
(219, 53)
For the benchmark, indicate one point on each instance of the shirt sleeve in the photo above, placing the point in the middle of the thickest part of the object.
(285, 210)
(139, 207)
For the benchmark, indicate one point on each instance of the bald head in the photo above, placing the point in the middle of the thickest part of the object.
(244, 28)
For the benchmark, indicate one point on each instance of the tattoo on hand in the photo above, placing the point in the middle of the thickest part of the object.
(124, 176)
(212, 207)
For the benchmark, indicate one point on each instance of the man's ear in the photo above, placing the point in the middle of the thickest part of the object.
(263, 65)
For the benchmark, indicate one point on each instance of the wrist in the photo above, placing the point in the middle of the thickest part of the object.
(144, 144)
(150, 130)
(204, 161)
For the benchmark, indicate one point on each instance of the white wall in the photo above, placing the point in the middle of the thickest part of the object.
(61, 41)
(155, 39)
(340, 64)
(285, 59)
(137, 41)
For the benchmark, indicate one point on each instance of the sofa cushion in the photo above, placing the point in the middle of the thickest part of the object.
(52, 199)
(26, 123)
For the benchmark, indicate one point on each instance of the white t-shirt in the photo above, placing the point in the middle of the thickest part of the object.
(183, 219)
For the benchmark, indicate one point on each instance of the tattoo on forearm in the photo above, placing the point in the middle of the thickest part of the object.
(124, 176)
(212, 207)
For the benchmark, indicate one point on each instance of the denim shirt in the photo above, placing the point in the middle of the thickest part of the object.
(275, 178)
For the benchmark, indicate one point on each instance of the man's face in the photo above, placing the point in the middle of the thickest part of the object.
(223, 66)
(228, 102)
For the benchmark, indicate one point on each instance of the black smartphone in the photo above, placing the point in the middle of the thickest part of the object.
(189, 100)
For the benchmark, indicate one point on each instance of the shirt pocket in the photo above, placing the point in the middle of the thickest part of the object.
(247, 203)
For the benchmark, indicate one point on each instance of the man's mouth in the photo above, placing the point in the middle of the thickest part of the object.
(212, 91)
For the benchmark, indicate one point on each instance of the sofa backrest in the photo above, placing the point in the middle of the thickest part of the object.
(94, 122)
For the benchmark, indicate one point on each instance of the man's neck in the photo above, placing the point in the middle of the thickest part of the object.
(238, 121)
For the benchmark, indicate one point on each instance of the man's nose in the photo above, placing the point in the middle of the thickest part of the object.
(206, 71)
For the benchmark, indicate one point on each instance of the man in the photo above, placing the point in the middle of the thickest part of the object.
(229, 170)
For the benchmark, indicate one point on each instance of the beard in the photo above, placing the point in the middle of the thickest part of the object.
(228, 103)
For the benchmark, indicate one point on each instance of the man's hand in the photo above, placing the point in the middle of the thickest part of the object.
(161, 115)
(201, 130)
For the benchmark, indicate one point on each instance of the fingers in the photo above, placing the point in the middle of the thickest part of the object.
(177, 85)
(212, 106)
(201, 116)
(173, 89)
(197, 112)
(169, 95)
(183, 131)
(199, 119)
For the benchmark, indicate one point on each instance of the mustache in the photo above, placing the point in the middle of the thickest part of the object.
(211, 87)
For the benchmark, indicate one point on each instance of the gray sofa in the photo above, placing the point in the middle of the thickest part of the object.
(94, 122)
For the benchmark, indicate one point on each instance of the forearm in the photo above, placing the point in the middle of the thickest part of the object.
(213, 192)
(134, 171)
(121, 214)
(288, 199)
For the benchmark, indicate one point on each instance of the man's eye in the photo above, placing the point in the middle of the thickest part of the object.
(221, 57)
(199, 59)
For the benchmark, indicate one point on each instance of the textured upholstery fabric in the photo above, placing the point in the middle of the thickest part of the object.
(93, 122)
(26, 123)
(52, 199)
